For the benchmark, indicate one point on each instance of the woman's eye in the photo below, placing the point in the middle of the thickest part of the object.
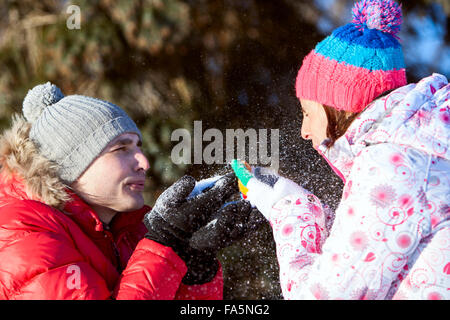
(119, 149)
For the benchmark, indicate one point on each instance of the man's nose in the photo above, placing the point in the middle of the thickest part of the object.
(142, 161)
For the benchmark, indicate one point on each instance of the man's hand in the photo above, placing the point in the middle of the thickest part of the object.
(229, 224)
(188, 213)
(189, 218)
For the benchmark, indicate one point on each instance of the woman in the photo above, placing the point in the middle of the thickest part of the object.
(389, 142)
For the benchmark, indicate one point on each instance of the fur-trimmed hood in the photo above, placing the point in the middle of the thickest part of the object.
(26, 174)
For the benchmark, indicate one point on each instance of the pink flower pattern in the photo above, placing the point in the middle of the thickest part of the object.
(382, 196)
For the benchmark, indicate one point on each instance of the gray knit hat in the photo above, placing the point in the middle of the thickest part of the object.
(72, 131)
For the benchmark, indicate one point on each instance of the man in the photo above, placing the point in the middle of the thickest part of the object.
(73, 224)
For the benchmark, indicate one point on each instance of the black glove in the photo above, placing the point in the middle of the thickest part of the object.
(176, 217)
(229, 224)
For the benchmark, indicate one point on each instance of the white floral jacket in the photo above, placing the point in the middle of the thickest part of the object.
(391, 233)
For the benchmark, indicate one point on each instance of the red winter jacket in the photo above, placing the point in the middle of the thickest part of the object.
(49, 254)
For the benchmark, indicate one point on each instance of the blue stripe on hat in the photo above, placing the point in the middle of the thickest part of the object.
(357, 55)
(368, 38)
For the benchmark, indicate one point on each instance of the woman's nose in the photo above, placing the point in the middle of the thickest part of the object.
(305, 133)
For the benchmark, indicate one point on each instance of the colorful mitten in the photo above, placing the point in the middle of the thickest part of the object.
(244, 173)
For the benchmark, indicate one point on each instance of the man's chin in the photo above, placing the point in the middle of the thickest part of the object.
(132, 204)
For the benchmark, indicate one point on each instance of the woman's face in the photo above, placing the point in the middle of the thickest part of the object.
(314, 125)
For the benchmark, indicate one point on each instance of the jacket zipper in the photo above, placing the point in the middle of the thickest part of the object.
(116, 253)
(115, 250)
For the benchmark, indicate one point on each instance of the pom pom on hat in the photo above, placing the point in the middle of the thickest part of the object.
(39, 98)
(383, 15)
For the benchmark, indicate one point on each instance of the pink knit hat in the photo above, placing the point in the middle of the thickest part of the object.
(358, 61)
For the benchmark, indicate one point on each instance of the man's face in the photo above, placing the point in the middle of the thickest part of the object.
(115, 180)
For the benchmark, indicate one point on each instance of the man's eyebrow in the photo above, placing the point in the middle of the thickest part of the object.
(127, 141)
